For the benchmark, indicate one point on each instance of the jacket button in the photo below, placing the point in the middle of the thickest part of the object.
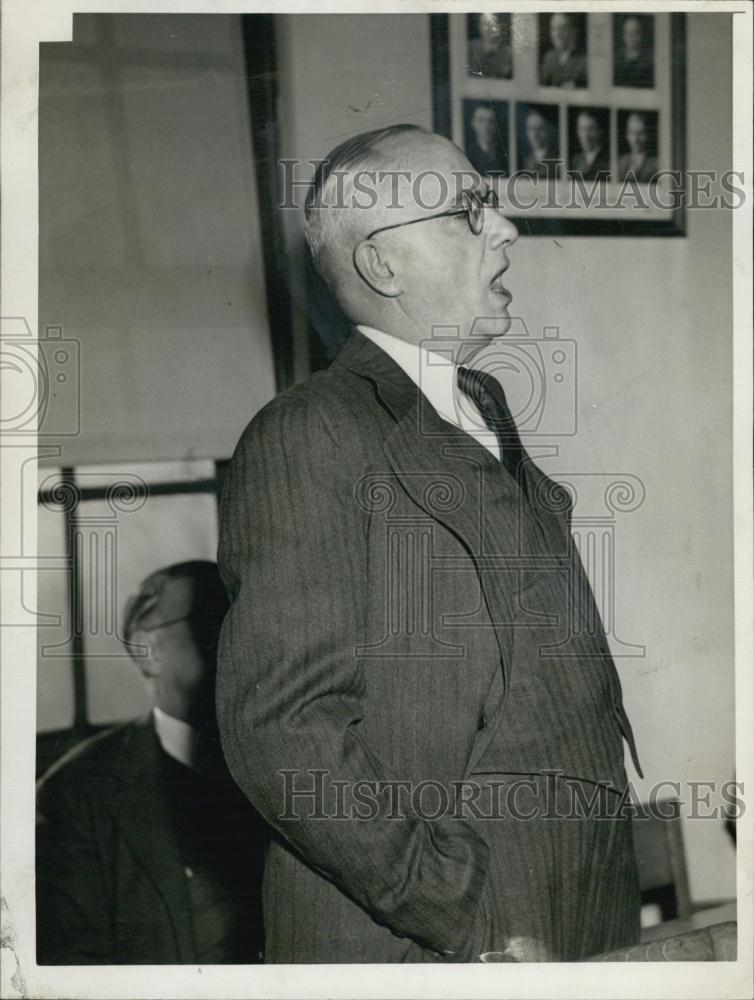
(482, 722)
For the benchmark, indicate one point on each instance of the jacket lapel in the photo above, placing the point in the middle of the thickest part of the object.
(445, 471)
(458, 483)
(448, 474)
(143, 814)
(456, 480)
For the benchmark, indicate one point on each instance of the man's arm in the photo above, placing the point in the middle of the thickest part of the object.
(291, 689)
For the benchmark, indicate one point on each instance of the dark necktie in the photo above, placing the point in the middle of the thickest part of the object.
(489, 398)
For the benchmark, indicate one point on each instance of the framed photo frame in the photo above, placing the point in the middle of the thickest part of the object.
(577, 119)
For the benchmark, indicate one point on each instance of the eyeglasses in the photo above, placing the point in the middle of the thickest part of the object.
(158, 626)
(473, 208)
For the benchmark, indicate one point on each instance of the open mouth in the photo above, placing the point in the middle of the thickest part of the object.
(497, 285)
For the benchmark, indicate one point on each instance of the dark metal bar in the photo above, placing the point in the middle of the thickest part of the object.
(258, 31)
(440, 63)
(221, 467)
(152, 490)
(80, 720)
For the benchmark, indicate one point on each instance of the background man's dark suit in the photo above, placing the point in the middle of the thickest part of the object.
(112, 880)
(334, 658)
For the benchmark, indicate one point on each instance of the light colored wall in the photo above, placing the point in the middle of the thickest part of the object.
(652, 321)
(340, 75)
(150, 257)
(149, 244)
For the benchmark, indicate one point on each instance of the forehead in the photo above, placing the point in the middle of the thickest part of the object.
(429, 154)
(425, 149)
(434, 174)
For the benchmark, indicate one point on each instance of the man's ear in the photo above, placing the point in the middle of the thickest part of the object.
(377, 269)
(149, 665)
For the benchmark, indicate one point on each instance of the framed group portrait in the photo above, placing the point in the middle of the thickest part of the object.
(577, 119)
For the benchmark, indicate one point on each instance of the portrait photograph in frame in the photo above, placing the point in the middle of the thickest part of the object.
(538, 139)
(489, 50)
(486, 136)
(633, 50)
(563, 50)
(601, 97)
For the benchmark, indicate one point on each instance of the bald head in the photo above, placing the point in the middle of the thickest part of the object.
(636, 132)
(537, 134)
(371, 180)
(588, 131)
(489, 31)
(632, 39)
(562, 33)
(387, 223)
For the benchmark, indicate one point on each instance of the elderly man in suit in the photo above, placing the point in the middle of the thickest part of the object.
(490, 53)
(413, 655)
(540, 153)
(562, 65)
(638, 162)
(634, 62)
(484, 142)
(147, 853)
(591, 160)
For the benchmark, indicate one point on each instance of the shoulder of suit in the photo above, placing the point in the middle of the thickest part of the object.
(327, 405)
(89, 765)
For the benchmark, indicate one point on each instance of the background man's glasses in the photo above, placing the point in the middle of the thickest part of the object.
(473, 208)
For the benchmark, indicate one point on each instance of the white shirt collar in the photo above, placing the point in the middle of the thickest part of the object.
(178, 739)
(436, 376)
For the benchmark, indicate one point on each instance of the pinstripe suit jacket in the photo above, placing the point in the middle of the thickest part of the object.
(364, 644)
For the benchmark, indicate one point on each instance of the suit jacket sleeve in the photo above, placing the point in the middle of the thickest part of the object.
(291, 689)
(74, 918)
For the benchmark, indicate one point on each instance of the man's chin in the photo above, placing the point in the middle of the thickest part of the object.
(491, 327)
(503, 324)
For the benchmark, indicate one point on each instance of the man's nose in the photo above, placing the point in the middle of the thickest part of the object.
(502, 232)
